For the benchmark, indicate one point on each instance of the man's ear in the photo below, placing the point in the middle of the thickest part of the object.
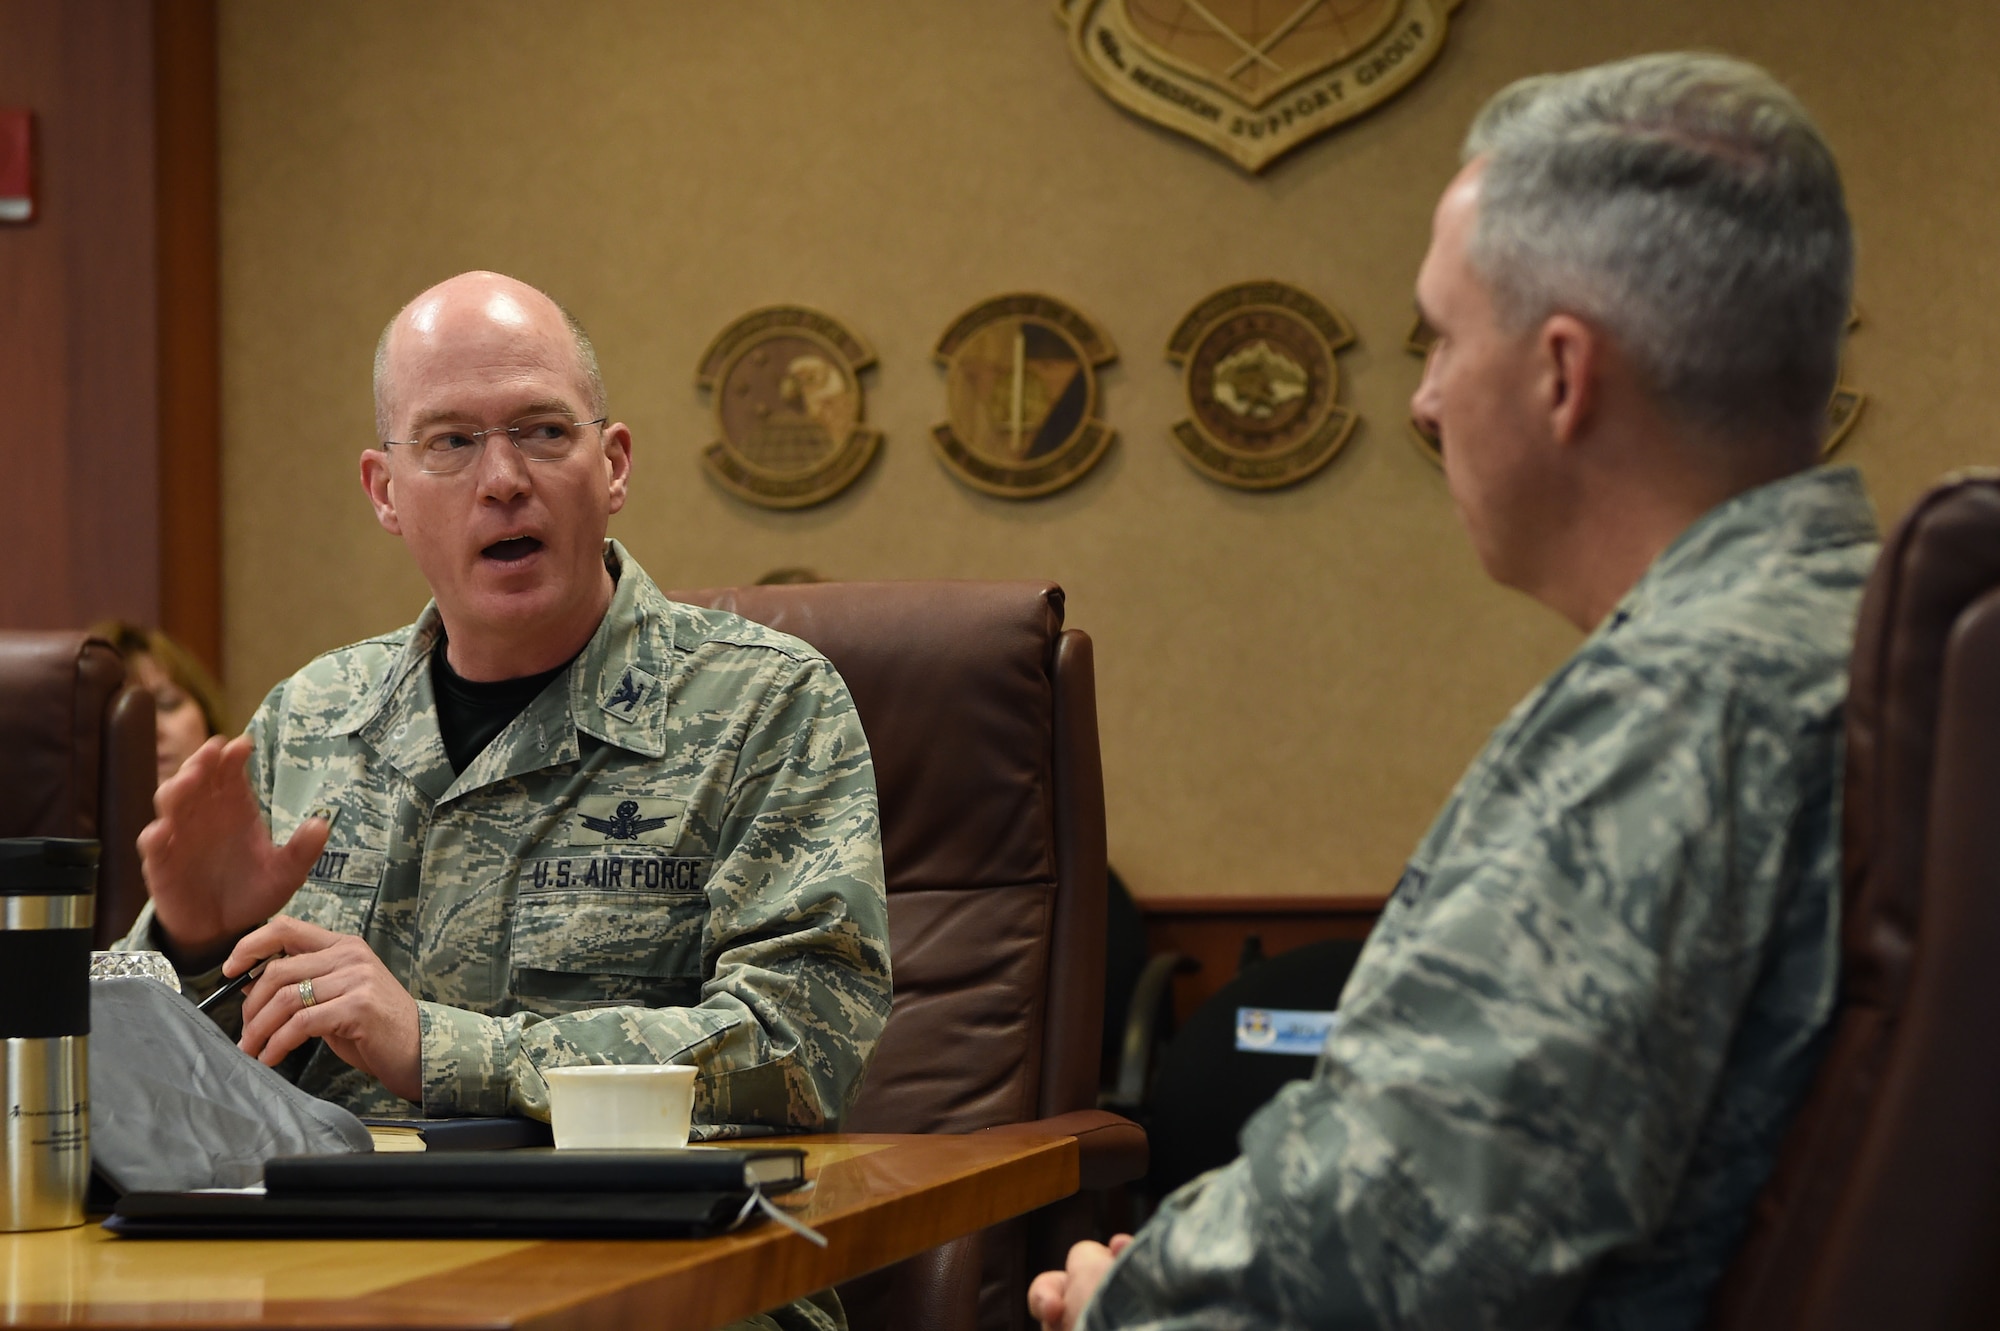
(1571, 361)
(381, 492)
(618, 454)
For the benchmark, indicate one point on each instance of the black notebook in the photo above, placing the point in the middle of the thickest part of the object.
(456, 1215)
(698, 1169)
(483, 1194)
(457, 1134)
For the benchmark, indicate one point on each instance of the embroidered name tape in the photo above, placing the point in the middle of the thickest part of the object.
(615, 873)
(360, 867)
(1262, 1030)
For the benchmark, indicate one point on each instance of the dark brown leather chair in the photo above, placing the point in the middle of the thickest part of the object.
(1884, 1210)
(981, 713)
(76, 758)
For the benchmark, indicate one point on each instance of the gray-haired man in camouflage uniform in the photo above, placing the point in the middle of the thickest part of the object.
(557, 820)
(1566, 1057)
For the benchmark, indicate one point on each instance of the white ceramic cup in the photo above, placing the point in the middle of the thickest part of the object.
(620, 1107)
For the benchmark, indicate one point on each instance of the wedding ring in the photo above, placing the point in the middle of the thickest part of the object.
(306, 998)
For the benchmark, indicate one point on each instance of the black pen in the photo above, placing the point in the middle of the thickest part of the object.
(236, 985)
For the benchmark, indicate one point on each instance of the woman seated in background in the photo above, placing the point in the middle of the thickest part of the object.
(187, 702)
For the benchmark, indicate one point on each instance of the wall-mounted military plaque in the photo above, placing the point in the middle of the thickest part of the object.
(1253, 79)
(787, 391)
(1021, 396)
(1262, 385)
(1842, 409)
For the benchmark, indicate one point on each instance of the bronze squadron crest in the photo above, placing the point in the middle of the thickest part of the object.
(787, 394)
(1021, 396)
(1262, 385)
(1253, 79)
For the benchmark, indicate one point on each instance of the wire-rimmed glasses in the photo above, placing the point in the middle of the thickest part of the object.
(548, 436)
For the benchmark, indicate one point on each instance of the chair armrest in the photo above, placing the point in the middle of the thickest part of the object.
(1146, 1020)
(1110, 1150)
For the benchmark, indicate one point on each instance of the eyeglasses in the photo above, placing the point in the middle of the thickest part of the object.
(549, 437)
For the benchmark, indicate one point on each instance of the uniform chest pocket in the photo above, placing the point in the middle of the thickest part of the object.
(336, 906)
(575, 947)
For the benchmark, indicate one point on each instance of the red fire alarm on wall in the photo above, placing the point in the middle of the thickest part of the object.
(17, 164)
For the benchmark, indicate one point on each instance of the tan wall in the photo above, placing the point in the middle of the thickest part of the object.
(1289, 682)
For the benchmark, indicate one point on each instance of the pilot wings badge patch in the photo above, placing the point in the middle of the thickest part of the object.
(611, 820)
(1253, 79)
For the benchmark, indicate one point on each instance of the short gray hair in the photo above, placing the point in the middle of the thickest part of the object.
(594, 402)
(1686, 204)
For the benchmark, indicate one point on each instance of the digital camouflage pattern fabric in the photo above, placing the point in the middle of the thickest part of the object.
(671, 855)
(1568, 1052)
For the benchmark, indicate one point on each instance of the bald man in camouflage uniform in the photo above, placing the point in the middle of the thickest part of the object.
(560, 819)
(671, 856)
(1566, 1057)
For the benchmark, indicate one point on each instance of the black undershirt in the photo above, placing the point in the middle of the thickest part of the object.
(472, 712)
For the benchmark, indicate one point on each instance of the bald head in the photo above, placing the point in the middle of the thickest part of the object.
(482, 306)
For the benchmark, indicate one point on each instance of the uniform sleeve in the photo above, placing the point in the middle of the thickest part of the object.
(144, 936)
(795, 949)
(1521, 1070)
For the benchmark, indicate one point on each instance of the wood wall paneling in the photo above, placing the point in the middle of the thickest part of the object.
(190, 402)
(108, 319)
(1212, 930)
(76, 347)
(35, 573)
(111, 360)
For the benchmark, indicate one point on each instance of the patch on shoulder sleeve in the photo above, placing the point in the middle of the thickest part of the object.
(632, 688)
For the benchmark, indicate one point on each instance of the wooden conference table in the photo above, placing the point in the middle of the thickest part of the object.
(878, 1199)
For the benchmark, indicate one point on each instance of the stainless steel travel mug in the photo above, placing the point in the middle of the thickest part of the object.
(48, 896)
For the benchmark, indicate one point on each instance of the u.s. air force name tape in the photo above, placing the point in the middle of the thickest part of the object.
(1261, 1030)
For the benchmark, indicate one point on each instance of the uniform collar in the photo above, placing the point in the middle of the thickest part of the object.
(1817, 509)
(615, 692)
(399, 718)
(618, 686)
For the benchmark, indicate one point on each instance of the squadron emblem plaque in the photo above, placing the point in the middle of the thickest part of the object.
(1021, 396)
(787, 393)
(1253, 79)
(1262, 385)
(1842, 409)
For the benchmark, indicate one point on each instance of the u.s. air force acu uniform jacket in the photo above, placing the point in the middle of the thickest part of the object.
(671, 855)
(1568, 1052)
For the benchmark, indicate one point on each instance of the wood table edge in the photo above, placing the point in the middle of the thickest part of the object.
(685, 1298)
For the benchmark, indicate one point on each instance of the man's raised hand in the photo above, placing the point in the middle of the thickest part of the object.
(211, 867)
